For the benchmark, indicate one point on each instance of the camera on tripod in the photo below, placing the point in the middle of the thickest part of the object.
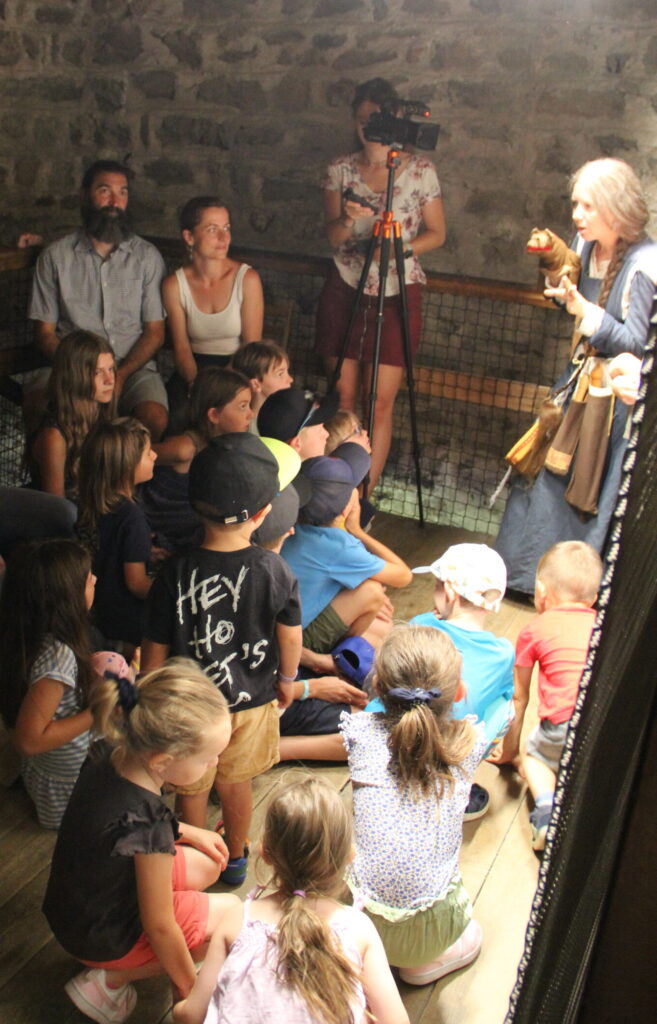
(389, 129)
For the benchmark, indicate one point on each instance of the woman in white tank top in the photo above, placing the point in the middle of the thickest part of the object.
(214, 304)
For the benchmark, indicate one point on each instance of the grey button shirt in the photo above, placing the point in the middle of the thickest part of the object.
(75, 288)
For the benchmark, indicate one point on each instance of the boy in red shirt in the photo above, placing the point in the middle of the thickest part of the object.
(557, 640)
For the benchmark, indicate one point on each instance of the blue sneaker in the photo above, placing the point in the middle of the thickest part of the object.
(539, 819)
(235, 871)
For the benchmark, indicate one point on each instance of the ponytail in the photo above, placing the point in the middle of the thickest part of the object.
(307, 840)
(417, 673)
(165, 711)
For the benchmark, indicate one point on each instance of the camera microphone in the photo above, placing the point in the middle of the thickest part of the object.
(415, 108)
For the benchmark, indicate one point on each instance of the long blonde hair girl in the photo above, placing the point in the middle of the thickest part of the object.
(417, 674)
(307, 842)
(165, 711)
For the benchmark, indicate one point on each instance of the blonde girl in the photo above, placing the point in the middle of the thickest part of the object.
(125, 890)
(297, 954)
(80, 394)
(411, 766)
(115, 458)
(220, 404)
(345, 426)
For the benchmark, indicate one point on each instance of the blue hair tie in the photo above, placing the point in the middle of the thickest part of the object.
(414, 696)
(128, 692)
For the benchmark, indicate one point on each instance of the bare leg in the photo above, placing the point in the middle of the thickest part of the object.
(200, 870)
(154, 416)
(237, 807)
(540, 778)
(328, 747)
(359, 607)
(388, 384)
(347, 386)
(193, 809)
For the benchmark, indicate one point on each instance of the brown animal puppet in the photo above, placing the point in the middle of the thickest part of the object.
(554, 255)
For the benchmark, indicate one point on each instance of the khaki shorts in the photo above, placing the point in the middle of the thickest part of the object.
(252, 749)
(144, 385)
(325, 631)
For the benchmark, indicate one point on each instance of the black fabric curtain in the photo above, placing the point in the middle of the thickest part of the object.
(605, 749)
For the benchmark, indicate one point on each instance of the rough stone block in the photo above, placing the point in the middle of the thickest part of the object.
(51, 14)
(119, 43)
(244, 94)
(583, 103)
(169, 172)
(180, 130)
(333, 8)
(109, 93)
(327, 41)
(359, 58)
(10, 48)
(156, 84)
(184, 47)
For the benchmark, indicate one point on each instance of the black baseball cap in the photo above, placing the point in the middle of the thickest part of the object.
(233, 477)
(287, 411)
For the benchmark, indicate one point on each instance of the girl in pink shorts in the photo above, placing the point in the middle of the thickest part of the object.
(125, 890)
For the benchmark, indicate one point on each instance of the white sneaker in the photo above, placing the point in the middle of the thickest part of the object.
(459, 954)
(92, 997)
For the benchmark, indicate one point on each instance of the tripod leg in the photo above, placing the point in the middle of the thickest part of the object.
(384, 260)
(371, 249)
(408, 358)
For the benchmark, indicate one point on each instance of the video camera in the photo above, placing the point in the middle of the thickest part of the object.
(391, 130)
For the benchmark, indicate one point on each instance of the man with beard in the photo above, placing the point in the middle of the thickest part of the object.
(104, 278)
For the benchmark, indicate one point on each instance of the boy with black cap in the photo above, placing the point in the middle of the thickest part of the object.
(234, 608)
(341, 569)
(298, 417)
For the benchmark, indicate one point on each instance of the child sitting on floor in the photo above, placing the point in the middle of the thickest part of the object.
(297, 417)
(411, 766)
(345, 426)
(220, 403)
(48, 668)
(115, 459)
(266, 366)
(233, 607)
(124, 896)
(470, 584)
(557, 640)
(341, 570)
(297, 954)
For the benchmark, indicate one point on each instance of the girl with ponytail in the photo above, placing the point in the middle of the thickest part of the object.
(125, 890)
(296, 954)
(411, 767)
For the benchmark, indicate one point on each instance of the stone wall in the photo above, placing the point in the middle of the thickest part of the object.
(250, 98)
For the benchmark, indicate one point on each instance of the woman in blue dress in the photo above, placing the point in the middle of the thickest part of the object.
(613, 303)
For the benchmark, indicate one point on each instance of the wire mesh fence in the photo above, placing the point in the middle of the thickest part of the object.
(482, 368)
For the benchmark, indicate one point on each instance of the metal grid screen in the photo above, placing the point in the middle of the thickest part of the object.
(483, 366)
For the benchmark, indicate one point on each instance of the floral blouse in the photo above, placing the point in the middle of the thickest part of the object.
(416, 185)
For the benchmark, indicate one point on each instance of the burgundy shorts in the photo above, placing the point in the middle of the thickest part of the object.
(190, 910)
(334, 309)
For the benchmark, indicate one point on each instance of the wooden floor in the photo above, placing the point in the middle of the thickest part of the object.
(497, 863)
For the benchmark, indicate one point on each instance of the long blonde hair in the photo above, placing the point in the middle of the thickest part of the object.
(307, 841)
(423, 738)
(617, 195)
(165, 711)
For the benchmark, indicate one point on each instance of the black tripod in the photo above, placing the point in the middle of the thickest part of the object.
(385, 229)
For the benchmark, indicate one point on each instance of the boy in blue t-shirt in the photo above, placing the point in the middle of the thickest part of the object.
(470, 583)
(341, 569)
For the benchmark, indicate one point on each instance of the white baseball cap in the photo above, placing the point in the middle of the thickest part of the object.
(473, 570)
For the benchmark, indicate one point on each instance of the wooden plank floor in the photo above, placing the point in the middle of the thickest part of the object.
(497, 863)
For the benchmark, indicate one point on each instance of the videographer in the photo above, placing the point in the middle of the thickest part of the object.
(418, 207)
